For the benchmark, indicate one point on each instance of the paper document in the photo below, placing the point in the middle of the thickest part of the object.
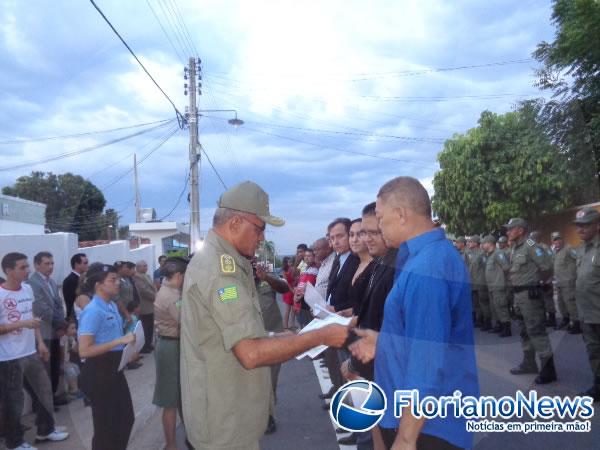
(315, 301)
(134, 347)
(315, 324)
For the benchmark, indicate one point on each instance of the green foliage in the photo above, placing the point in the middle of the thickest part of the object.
(571, 68)
(73, 203)
(506, 167)
(182, 253)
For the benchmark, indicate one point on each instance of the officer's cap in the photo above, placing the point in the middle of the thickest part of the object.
(474, 238)
(249, 197)
(489, 239)
(556, 235)
(502, 240)
(460, 239)
(516, 222)
(587, 215)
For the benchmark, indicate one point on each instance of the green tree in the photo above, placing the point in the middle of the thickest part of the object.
(571, 69)
(505, 167)
(73, 204)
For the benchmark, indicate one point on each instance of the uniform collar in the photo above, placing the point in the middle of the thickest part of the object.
(224, 247)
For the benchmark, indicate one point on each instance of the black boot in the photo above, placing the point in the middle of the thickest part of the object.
(506, 330)
(551, 320)
(548, 372)
(575, 328)
(528, 365)
(498, 328)
(564, 323)
(487, 325)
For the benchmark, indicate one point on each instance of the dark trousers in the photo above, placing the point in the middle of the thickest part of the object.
(12, 399)
(148, 326)
(53, 366)
(112, 409)
(424, 441)
(334, 367)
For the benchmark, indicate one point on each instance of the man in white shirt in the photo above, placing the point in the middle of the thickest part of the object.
(324, 257)
(19, 332)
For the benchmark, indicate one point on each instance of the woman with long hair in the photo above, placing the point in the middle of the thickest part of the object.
(101, 343)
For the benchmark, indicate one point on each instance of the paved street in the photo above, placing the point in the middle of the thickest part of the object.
(302, 424)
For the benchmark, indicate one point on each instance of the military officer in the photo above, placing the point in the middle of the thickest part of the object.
(476, 264)
(225, 350)
(496, 271)
(528, 267)
(505, 246)
(565, 272)
(547, 288)
(587, 289)
(502, 242)
(460, 243)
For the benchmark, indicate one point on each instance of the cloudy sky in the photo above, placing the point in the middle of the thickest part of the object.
(337, 96)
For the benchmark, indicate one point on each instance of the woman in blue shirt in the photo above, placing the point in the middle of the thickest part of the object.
(101, 343)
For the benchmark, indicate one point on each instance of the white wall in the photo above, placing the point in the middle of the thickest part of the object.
(61, 245)
(147, 252)
(107, 253)
(12, 227)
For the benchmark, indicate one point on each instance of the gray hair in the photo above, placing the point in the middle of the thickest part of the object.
(222, 215)
(409, 193)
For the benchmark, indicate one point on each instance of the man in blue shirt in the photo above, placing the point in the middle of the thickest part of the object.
(426, 340)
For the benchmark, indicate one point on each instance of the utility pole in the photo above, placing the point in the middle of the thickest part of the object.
(192, 73)
(138, 200)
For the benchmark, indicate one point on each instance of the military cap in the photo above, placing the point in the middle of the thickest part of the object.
(474, 238)
(489, 239)
(503, 240)
(587, 215)
(250, 198)
(460, 239)
(556, 235)
(516, 222)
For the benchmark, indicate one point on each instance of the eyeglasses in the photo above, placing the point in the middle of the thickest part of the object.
(259, 229)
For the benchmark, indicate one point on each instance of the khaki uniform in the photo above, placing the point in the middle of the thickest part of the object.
(496, 270)
(587, 294)
(272, 321)
(224, 405)
(476, 264)
(547, 290)
(528, 266)
(565, 272)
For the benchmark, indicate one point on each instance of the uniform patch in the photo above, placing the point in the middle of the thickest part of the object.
(530, 242)
(228, 294)
(539, 252)
(227, 264)
(501, 256)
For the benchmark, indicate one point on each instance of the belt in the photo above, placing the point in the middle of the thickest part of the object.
(169, 338)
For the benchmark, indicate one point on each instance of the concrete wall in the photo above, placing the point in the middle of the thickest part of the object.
(61, 245)
(148, 253)
(562, 222)
(21, 210)
(12, 227)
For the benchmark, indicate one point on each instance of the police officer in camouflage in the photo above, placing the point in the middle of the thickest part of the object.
(528, 267)
(587, 289)
(565, 272)
(475, 258)
(496, 273)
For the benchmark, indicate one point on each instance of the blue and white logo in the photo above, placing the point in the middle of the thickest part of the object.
(358, 405)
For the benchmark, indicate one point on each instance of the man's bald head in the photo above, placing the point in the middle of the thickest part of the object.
(406, 192)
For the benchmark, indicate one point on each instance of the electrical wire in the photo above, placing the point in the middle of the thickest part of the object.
(79, 152)
(76, 135)
(185, 185)
(180, 118)
(165, 32)
(214, 168)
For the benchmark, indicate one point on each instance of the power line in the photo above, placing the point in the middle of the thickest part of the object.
(79, 152)
(213, 167)
(165, 32)
(180, 117)
(182, 27)
(185, 185)
(76, 135)
(166, 14)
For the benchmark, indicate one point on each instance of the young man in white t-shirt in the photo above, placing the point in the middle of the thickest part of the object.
(19, 332)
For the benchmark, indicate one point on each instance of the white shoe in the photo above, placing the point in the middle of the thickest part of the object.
(24, 446)
(60, 429)
(55, 436)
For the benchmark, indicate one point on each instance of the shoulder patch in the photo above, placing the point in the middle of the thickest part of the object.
(228, 294)
(530, 242)
(539, 252)
(501, 256)
(573, 253)
(227, 263)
